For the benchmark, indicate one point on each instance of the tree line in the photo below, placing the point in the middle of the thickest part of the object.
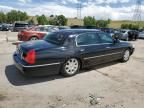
(14, 15)
(130, 26)
(91, 21)
(60, 20)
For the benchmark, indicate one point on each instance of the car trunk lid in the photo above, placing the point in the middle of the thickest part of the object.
(36, 45)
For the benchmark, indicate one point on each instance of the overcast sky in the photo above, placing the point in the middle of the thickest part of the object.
(100, 9)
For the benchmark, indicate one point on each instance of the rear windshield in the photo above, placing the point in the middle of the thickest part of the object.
(21, 25)
(55, 38)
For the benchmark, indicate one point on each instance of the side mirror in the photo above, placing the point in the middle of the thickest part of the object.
(116, 41)
(116, 36)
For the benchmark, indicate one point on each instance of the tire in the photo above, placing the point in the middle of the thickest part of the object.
(70, 67)
(126, 56)
(33, 38)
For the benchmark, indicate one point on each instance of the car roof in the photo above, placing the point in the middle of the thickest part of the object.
(77, 31)
(74, 32)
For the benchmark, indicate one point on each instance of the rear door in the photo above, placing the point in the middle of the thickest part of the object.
(90, 48)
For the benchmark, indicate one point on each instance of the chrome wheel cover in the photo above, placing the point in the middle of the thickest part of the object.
(126, 55)
(71, 66)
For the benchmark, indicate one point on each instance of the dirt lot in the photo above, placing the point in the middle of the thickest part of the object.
(112, 85)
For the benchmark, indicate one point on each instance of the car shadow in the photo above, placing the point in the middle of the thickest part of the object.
(17, 79)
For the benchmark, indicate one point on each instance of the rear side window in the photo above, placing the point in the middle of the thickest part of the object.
(55, 38)
(88, 39)
(21, 25)
(105, 38)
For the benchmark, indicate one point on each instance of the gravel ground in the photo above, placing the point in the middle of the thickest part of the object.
(111, 85)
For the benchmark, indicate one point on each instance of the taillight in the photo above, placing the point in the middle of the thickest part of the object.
(30, 57)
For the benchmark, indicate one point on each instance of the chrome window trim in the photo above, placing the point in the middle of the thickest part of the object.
(89, 44)
(50, 64)
(102, 55)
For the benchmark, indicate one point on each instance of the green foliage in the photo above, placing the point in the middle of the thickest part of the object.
(89, 21)
(58, 20)
(130, 26)
(3, 17)
(31, 21)
(51, 15)
(109, 21)
(14, 15)
(135, 27)
(102, 23)
(52, 21)
(125, 26)
(42, 20)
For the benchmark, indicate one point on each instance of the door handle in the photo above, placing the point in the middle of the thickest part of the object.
(108, 47)
(82, 50)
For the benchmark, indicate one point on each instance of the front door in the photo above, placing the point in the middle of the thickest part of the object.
(90, 48)
(113, 50)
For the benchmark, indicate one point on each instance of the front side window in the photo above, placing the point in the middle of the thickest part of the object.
(42, 29)
(88, 39)
(105, 38)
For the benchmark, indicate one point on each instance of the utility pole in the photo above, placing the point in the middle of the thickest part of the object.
(79, 9)
(137, 12)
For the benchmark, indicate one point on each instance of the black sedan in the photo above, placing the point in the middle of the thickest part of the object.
(4, 27)
(67, 51)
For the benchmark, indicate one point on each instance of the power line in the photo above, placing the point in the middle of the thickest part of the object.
(137, 12)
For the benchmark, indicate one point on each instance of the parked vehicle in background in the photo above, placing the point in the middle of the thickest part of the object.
(66, 51)
(19, 26)
(83, 27)
(115, 33)
(108, 30)
(129, 34)
(135, 34)
(63, 27)
(77, 27)
(35, 33)
(0, 26)
(6, 27)
(141, 35)
(125, 34)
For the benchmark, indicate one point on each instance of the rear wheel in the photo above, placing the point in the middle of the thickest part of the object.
(126, 55)
(33, 38)
(70, 67)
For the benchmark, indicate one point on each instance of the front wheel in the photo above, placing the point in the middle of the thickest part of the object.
(126, 55)
(70, 67)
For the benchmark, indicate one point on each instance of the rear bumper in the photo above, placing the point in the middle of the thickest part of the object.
(36, 70)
